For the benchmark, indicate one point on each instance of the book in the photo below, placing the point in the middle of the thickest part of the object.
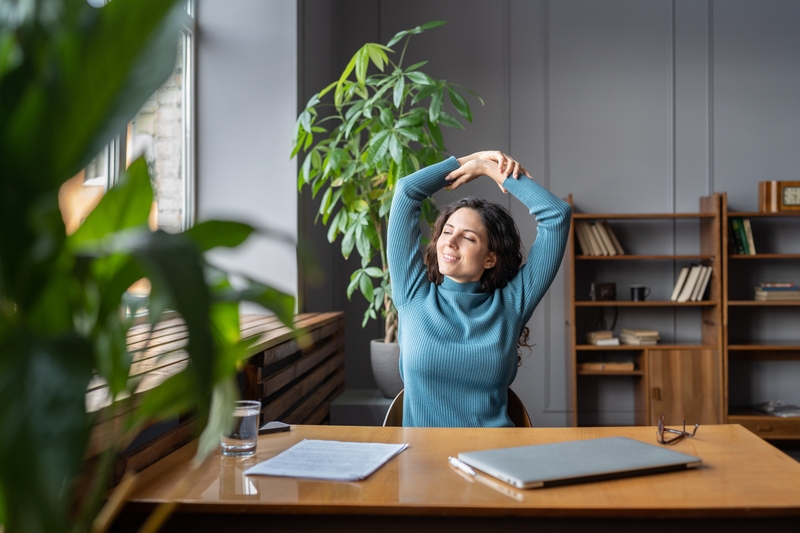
(593, 244)
(640, 332)
(688, 286)
(607, 242)
(606, 365)
(703, 284)
(773, 296)
(739, 236)
(617, 245)
(748, 231)
(679, 284)
(581, 238)
(700, 278)
(605, 342)
(602, 338)
(779, 408)
(777, 285)
(637, 341)
(599, 334)
(595, 231)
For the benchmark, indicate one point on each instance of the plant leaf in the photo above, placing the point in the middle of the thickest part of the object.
(421, 78)
(396, 149)
(437, 101)
(399, 87)
(214, 233)
(127, 204)
(394, 40)
(460, 104)
(379, 147)
(433, 24)
(449, 120)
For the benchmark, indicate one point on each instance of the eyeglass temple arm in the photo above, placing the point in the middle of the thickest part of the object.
(684, 432)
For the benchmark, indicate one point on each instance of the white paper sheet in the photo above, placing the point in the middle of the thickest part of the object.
(329, 460)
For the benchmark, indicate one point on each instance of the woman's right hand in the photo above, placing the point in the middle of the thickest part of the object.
(505, 163)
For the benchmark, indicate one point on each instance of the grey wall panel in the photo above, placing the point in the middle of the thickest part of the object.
(246, 94)
(756, 77)
(610, 104)
(331, 32)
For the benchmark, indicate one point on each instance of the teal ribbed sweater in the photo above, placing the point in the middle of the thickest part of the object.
(458, 346)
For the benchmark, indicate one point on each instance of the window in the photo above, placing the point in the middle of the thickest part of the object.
(162, 131)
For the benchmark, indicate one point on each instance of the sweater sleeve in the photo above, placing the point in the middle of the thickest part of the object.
(553, 217)
(406, 267)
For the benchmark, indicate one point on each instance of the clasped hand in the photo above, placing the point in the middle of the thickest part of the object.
(492, 163)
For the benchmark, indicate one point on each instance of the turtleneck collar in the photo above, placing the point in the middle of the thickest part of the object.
(468, 287)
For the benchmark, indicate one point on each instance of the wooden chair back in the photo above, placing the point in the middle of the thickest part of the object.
(516, 411)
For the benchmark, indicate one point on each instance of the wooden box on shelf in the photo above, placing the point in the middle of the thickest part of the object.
(664, 375)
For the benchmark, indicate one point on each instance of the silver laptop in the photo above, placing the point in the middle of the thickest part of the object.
(561, 463)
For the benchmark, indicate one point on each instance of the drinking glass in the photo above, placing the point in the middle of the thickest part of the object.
(242, 438)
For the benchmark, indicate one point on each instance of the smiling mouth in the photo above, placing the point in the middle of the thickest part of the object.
(449, 258)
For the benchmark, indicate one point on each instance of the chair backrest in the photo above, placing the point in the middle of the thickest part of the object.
(394, 416)
(516, 411)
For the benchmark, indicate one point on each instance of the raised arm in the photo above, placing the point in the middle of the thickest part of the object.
(406, 266)
(544, 258)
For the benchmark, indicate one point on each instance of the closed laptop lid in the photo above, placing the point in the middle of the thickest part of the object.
(561, 463)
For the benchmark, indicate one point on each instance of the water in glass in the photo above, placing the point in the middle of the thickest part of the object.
(242, 439)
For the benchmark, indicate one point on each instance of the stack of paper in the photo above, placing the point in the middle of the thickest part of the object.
(329, 460)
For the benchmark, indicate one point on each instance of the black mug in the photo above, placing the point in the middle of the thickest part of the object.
(639, 293)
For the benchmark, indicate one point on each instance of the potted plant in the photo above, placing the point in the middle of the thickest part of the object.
(71, 77)
(379, 127)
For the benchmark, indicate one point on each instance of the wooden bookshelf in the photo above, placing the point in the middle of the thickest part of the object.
(759, 351)
(662, 372)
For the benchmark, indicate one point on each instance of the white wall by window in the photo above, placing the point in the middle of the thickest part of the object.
(246, 109)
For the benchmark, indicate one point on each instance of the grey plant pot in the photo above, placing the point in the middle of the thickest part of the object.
(385, 359)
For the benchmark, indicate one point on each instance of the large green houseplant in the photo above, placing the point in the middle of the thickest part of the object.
(71, 77)
(381, 126)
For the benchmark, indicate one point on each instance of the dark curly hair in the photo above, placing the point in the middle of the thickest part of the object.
(503, 239)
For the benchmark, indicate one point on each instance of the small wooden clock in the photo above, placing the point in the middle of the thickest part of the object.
(778, 196)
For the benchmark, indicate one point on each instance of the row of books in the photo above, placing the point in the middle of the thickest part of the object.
(741, 237)
(629, 336)
(772, 291)
(692, 283)
(597, 239)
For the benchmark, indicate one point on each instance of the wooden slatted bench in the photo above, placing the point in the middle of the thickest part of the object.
(295, 373)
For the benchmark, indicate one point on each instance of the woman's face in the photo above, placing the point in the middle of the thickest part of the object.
(462, 249)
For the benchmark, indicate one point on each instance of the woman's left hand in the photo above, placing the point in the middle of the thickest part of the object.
(494, 164)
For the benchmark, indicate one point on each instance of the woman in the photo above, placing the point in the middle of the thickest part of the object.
(463, 308)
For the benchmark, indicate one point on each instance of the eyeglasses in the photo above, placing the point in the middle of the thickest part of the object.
(679, 434)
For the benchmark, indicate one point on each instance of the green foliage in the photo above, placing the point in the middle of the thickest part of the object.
(71, 77)
(383, 126)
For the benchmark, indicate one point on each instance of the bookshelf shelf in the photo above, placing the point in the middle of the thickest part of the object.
(742, 272)
(652, 303)
(764, 425)
(661, 370)
(764, 256)
(759, 303)
(632, 347)
(640, 216)
(758, 214)
(644, 257)
(611, 372)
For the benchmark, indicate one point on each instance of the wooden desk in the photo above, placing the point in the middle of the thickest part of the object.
(743, 479)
